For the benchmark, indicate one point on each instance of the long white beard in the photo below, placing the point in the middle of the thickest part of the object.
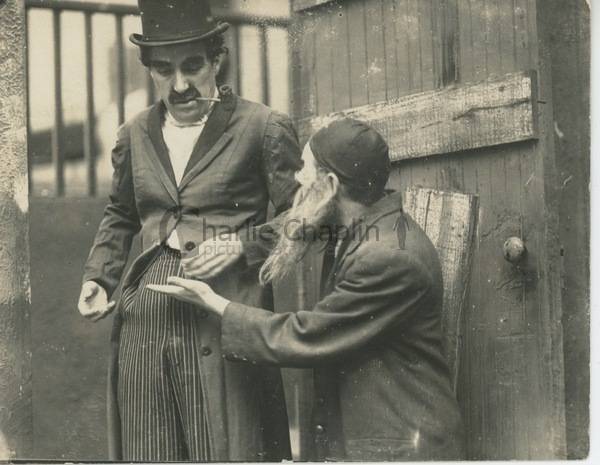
(313, 208)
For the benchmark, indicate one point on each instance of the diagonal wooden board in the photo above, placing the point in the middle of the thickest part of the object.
(450, 119)
(449, 219)
(300, 5)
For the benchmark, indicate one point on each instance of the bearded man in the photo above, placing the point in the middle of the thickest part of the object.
(189, 174)
(382, 386)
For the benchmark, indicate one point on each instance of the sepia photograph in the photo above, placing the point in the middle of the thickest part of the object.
(294, 230)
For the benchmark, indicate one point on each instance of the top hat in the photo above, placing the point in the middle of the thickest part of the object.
(173, 22)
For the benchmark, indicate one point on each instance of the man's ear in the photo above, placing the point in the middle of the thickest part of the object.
(218, 63)
(333, 183)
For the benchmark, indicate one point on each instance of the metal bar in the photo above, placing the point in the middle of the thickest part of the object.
(151, 99)
(90, 126)
(118, 9)
(120, 69)
(237, 45)
(264, 64)
(92, 7)
(57, 131)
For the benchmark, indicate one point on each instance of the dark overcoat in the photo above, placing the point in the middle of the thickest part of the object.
(245, 157)
(382, 386)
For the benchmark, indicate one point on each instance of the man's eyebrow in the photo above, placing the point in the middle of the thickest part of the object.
(159, 63)
(193, 59)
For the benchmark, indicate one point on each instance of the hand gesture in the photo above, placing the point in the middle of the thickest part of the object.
(193, 292)
(93, 301)
(214, 256)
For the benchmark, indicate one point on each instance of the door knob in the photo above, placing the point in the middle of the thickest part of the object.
(514, 249)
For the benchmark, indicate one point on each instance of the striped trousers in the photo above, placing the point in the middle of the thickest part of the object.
(159, 389)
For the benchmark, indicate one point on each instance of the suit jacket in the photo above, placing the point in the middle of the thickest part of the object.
(245, 157)
(382, 386)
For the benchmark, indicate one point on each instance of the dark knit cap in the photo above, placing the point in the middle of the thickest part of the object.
(355, 152)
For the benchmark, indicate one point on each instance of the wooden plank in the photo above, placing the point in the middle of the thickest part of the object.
(323, 63)
(357, 48)
(413, 41)
(466, 69)
(340, 73)
(522, 50)
(426, 43)
(449, 220)
(296, 73)
(448, 120)
(307, 83)
(392, 69)
(300, 5)
(376, 53)
(491, 20)
(479, 39)
(404, 77)
(506, 39)
(450, 42)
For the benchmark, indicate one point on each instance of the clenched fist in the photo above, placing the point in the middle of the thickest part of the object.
(93, 301)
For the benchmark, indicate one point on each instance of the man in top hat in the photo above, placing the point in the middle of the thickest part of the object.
(192, 175)
(382, 387)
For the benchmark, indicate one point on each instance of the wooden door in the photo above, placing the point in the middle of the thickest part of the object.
(461, 91)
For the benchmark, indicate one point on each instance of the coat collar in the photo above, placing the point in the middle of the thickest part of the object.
(211, 140)
(389, 204)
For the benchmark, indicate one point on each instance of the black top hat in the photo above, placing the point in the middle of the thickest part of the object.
(175, 22)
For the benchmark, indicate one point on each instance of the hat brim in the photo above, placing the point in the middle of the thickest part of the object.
(139, 40)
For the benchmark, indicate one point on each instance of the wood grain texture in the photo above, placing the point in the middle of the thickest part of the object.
(16, 426)
(376, 51)
(448, 120)
(300, 5)
(570, 20)
(511, 385)
(340, 58)
(449, 219)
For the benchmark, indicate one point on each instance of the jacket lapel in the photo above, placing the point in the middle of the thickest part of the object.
(213, 137)
(160, 156)
(390, 204)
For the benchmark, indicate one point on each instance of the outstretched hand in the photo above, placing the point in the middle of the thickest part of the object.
(193, 292)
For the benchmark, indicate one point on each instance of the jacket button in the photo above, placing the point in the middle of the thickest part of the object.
(190, 245)
(202, 314)
(319, 429)
(206, 351)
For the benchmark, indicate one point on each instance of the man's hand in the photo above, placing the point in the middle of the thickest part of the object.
(193, 292)
(93, 301)
(214, 256)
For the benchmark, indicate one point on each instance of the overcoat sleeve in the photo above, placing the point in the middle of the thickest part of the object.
(377, 293)
(119, 225)
(280, 160)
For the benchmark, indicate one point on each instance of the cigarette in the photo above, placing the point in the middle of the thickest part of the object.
(210, 99)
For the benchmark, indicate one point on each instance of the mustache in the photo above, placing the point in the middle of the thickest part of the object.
(190, 94)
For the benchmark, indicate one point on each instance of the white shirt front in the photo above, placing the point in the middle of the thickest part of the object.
(180, 140)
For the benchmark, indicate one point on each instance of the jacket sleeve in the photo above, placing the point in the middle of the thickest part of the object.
(376, 293)
(279, 163)
(119, 225)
